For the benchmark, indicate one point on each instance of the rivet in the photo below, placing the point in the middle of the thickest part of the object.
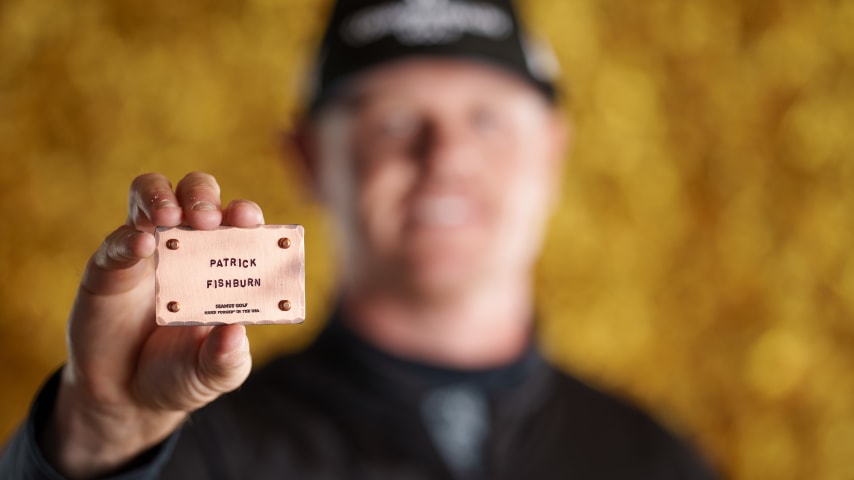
(173, 306)
(285, 305)
(173, 244)
(284, 242)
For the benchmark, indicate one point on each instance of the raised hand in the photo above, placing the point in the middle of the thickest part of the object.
(129, 383)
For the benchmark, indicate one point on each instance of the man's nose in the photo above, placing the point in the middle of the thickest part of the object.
(447, 150)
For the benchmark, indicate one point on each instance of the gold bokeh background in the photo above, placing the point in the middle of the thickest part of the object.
(701, 263)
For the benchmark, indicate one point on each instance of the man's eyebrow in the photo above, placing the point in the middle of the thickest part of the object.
(360, 99)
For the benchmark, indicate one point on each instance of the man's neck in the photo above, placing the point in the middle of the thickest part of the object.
(483, 329)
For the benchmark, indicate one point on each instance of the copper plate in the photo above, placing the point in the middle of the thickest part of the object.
(229, 275)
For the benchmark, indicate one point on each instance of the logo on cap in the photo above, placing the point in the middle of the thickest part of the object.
(426, 22)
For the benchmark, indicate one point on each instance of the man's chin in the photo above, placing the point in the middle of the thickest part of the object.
(439, 286)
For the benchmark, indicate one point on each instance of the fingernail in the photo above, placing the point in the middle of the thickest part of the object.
(164, 203)
(204, 206)
(260, 215)
(244, 345)
(239, 351)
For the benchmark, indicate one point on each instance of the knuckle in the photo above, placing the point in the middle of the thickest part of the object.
(150, 190)
(157, 194)
(200, 175)
(211, 380)
(198, 186)
(146, 178)
(200, 180)
(114, 246)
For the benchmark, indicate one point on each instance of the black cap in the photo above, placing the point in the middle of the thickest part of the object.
(365, 33)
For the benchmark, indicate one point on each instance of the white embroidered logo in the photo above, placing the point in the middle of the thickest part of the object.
(426, 22)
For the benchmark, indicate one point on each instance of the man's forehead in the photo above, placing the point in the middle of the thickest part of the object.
(433, 76)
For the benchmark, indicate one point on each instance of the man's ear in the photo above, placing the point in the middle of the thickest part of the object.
(299, 152)
(562, 136)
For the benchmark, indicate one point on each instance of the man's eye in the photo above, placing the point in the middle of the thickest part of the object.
(485, 120)
(397, 125)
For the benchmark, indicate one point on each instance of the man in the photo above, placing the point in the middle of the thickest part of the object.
(433, 139)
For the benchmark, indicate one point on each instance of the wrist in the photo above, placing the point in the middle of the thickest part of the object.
(85, 438)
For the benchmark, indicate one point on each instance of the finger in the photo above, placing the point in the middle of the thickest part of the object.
(111, 269)
(243, 213)
(123, 248)
(151, 203)
(198, 194)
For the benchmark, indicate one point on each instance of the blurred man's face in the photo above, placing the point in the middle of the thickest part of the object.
(440, 174)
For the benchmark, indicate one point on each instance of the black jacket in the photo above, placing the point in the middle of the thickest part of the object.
(342, 409)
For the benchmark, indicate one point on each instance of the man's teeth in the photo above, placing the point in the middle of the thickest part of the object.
(446, 211)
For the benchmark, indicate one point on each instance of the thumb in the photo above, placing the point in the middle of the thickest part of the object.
(224, 360)
(185, 368)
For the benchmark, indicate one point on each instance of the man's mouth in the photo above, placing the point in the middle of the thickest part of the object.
(443, 211)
